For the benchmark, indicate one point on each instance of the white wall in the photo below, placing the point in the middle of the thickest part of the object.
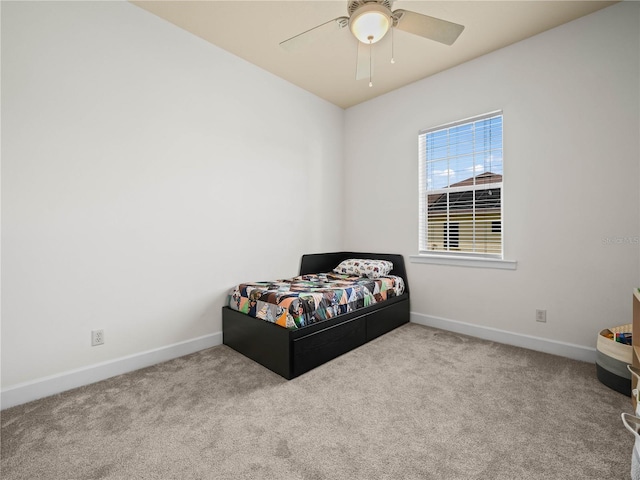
(142, 169)
(144, 172)
(571, 148)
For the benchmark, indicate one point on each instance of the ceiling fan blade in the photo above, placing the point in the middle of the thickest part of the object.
(363, 64)
(428, 27)
(304, 38)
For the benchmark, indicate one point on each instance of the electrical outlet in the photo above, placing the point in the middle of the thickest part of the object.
(97, 337)
(541, 316)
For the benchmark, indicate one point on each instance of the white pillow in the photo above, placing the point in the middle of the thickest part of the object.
(364, 268)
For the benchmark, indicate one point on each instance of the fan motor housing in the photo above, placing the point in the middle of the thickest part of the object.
(355, 4)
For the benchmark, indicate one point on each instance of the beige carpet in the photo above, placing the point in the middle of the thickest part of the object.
(417, 403)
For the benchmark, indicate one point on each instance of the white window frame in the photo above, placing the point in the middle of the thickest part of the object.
(463, 258)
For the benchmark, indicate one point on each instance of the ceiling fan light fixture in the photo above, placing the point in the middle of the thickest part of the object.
(370, 22)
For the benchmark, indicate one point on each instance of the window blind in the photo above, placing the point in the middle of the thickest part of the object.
(460, 187)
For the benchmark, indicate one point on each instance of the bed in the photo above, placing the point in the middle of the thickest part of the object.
(290, 352)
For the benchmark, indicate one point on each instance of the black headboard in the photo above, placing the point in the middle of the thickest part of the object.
(325, 262)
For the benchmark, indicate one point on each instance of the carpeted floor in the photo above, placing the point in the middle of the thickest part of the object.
(417, 403)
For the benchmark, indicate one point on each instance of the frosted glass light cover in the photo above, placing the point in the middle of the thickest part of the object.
(369, 25)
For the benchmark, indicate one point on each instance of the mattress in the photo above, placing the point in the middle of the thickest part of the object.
(308, 299)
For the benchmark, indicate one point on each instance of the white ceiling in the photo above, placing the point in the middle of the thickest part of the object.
(253, 30)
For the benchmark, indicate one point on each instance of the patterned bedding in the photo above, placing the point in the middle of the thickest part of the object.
(308, 299)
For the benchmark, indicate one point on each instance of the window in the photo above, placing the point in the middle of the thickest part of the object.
(461, 170)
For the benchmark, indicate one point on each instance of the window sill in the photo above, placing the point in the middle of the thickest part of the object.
(462, 261)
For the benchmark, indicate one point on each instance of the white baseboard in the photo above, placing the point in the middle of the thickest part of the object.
(43, 387)
(569, 350)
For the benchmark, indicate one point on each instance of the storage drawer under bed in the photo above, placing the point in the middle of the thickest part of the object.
(319, 347)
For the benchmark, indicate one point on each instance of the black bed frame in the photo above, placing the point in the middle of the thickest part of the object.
(290, 353)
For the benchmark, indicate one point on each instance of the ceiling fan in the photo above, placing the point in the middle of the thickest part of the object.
(369, 21)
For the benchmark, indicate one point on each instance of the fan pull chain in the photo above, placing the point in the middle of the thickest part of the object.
(370, 54)
(392, 60)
